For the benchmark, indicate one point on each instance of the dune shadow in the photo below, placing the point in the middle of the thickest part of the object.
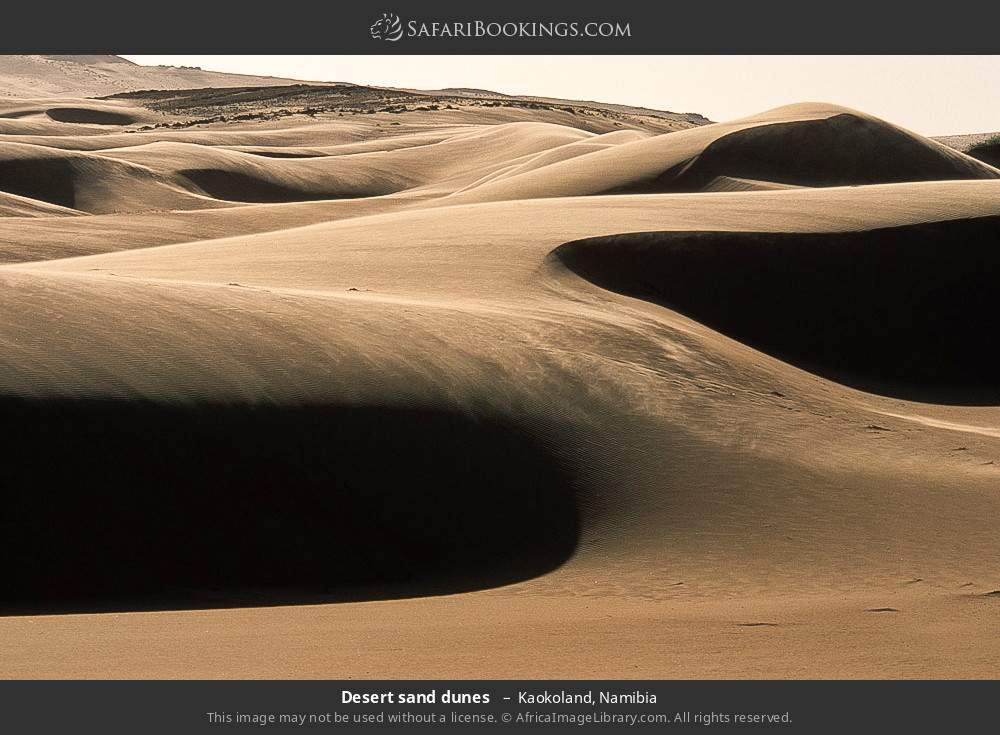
(987, 151)
(131, 505)
(84, 116)
(50, 180)
(235, 186)
(910, 312)
(285, 154)
(17, 114)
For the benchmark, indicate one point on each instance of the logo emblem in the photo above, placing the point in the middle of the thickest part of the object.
(387, 28)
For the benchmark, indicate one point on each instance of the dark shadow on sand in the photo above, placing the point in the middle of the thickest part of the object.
(117, 505)
(234, 186)
(910, 312)
(84, 116)
(285, 154)
(45, 179)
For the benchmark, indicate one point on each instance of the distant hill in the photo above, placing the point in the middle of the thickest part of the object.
(98, 75)
(690, 117)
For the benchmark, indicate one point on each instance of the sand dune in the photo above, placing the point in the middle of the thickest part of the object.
(416, 242)
(843, 149)
(804, 145)
(48, 238)
(125, 177)
(235, 176)
(807, 144)
(903, 310)
(12, 205)
(88, 182)
(696, 411)
(72, 117)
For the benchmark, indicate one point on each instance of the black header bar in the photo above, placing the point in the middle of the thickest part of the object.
(511, 27)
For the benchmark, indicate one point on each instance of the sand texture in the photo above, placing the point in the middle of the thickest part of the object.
(453, 389)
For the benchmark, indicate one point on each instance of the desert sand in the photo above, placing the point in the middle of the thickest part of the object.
(463, 390)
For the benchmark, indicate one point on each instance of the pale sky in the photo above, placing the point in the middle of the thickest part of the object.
(933, 95)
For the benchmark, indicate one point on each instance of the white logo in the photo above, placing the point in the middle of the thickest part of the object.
(387, 28)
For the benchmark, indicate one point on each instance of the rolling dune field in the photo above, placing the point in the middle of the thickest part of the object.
(464, 390)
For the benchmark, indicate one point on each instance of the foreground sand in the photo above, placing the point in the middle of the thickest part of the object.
(734, 515)
(527, 635)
